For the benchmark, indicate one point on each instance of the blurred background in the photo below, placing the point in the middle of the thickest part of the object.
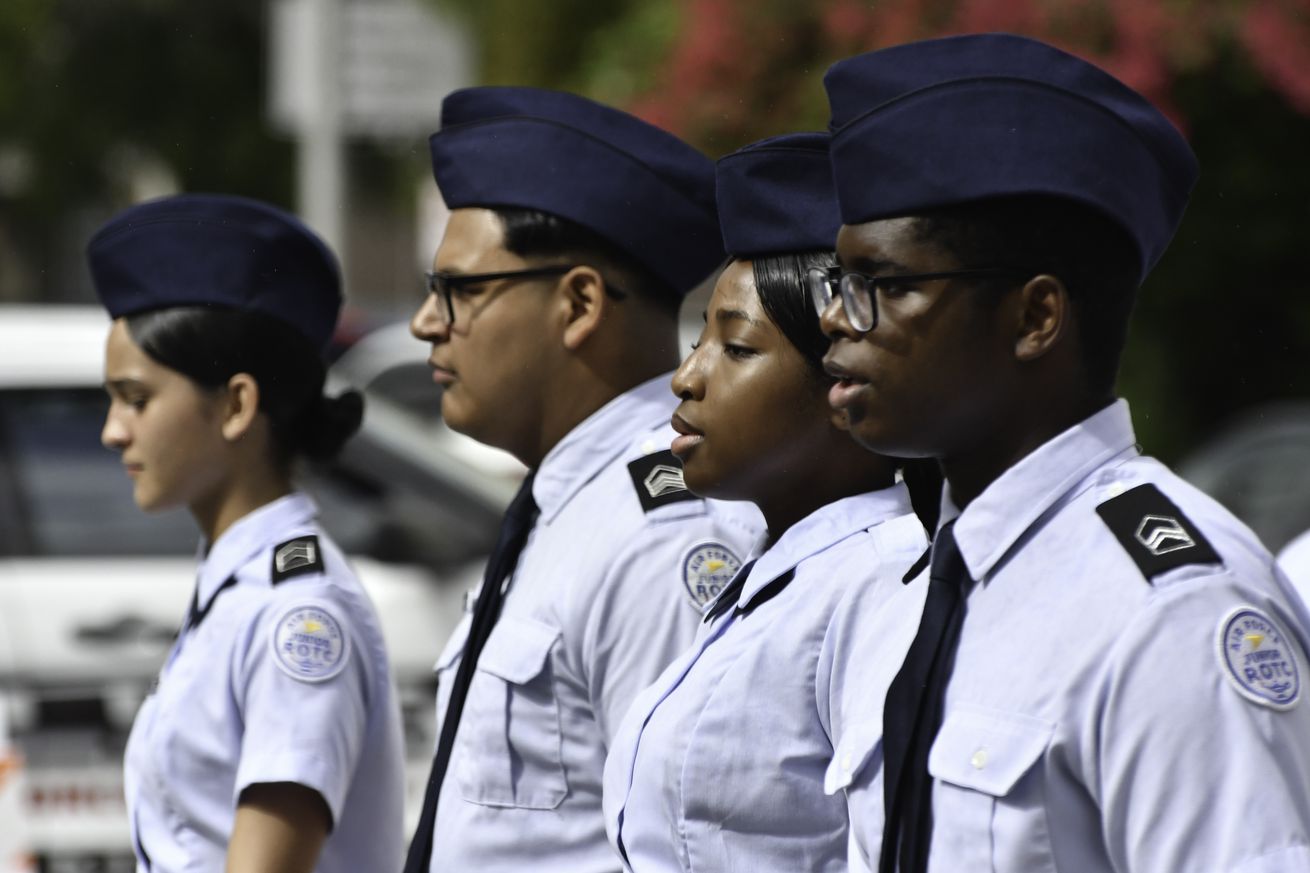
(323, 107)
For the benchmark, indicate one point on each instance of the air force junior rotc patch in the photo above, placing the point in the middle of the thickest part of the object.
(706, 569)
(309, 644)
(1259, 659)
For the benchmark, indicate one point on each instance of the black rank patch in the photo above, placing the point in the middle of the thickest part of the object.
(296, 558)
(658, 480)
(1154, 532)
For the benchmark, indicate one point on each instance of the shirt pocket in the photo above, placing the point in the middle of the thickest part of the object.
(510, 736)
(988, 809)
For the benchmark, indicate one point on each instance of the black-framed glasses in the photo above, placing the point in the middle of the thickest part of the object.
(444, 284)
(858, 291)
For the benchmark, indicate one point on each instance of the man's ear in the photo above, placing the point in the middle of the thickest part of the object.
(1044, 316)
(586, 305)
(241, 407)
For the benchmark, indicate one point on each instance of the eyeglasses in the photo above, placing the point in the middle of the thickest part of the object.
(857, 290)
(446, 285)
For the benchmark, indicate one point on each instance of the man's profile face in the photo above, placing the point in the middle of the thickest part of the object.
(488, 361)
(931, 376)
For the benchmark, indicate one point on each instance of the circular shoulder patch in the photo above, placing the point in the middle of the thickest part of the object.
(309, 643)
(1259, 659)
(706, 569)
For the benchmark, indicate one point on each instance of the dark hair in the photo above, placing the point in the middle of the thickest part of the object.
(780, 283)
(210, 345)
(1095, 258)
(532, 233)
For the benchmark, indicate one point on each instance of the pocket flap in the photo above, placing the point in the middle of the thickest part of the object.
(517, 649)
(454, 646)
(987, 750)
(854, 751)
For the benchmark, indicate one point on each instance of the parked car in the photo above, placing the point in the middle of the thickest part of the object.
(92, 590)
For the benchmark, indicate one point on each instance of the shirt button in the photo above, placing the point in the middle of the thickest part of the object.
(979, 759)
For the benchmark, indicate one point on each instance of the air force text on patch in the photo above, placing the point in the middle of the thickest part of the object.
(309, 643)
(706, 569)
(1259, 659)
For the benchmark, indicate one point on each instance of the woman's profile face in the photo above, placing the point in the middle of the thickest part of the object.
(168, 430)
(754, 416)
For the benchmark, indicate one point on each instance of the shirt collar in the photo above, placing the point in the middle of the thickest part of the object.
(990, 526)
(821, 529)
(598, 440)
(244, 539)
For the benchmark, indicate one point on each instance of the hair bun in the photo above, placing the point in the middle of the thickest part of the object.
(328, 423)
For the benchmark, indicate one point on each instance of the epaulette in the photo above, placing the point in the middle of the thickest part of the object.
(296, 558)
(658, 480)
(1154, 532)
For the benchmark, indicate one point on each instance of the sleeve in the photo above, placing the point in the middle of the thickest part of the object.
(647, 611)
(302, 691)
(1200, 762)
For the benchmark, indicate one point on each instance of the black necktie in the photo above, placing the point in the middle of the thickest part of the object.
(913, 711)
(514, 529)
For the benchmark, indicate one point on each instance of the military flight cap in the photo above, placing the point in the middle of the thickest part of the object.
(776, 196)
(217, 250)
(637, 186)
(949, 121)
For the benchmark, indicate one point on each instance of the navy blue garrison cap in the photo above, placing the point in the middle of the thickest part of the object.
(216, 250)
(949, 121)
(639, 187)
(776, 197)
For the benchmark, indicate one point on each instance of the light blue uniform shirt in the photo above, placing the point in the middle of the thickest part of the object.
(1294, 560)
(720, 764)
(605, 594)
(284, 679)
(1097, 719)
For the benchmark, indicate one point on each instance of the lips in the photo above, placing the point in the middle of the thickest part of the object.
(689, 436)
(132, 468)
(440, 374)
(848, 386)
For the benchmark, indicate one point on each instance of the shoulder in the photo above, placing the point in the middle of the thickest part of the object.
(1165, 528)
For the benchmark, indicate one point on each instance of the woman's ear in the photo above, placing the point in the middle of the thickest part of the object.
(587, 305)
(241, 407)
(1043, 316)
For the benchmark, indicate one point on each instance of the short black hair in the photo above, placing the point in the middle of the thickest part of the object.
(211, 344)
(781, 286)
(1093, 255)
(533, 233)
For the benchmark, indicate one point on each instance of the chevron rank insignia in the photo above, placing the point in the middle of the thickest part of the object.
(1154, 532)
(658, 480)
(296, 558)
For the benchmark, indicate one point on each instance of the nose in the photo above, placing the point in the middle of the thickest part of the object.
(429, 322)
(689, 381)
(114, 435)
(834, 323)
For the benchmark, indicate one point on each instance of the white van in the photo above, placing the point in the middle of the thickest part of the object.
(92, 590)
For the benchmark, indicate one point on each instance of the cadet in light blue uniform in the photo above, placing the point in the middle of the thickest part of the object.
(1108, 672)
(720, 764)
(575, 230)
(272, 741)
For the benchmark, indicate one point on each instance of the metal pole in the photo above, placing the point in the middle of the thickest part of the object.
(321, 190)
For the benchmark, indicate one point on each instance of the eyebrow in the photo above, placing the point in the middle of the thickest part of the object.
(120, 386)
(734, 315)
(875, 267)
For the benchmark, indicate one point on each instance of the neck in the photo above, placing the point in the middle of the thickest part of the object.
(801, 496)
(969, 473)
(218, 512)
